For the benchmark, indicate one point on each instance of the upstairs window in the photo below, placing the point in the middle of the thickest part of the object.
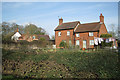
(68, 33)
(59, 33)
(90, 33)
(77, 35)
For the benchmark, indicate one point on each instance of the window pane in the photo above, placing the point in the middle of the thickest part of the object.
(91, 42)
(90, 33)
(77, 42)
(68, 33)
(77, 35)
(59, 33)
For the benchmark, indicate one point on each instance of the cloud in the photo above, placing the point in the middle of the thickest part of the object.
(12, 21)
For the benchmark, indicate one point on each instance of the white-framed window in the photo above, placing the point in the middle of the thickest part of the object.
(90, 33)
(91, 42)
(77, 35)
(68, 33)
(33, 37)
(59, 33)
(77, 42)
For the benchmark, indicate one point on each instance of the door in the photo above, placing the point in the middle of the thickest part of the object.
(84, 43)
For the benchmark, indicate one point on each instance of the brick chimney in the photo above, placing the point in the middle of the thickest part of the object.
(17, 30)
(60, 21)
(101, 18)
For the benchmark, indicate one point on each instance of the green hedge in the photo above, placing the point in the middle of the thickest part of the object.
(107, 44)
(105, 35)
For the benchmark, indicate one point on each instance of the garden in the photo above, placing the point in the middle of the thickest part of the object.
(60, 63)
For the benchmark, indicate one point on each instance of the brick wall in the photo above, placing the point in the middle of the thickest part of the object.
(103, 29)
(64, 36)
(85, 36)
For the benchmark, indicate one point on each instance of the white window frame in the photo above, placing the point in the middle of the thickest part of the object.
(77, 35)
(59, 33)
(91, 42)
(77, 42)
(90, 33)
(68, 33)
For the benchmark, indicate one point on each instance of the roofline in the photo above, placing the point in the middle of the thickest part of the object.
(64, 29)
(91, 23)
(65, 23)
(71, 22)
(87, 31)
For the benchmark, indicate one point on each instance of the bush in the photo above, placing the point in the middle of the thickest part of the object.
(107, 44)
(63, 44)
(105, 35)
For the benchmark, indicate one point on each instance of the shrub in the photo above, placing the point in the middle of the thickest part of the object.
(105, 35)
(42, 39)
(107, 44)
(63, 44)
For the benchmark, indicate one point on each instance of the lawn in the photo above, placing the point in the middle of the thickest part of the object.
(61, 64)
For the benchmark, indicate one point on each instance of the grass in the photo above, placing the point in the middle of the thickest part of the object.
(65, 63)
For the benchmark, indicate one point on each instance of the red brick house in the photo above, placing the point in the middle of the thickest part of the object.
(75, 33)
(17, 36)
(30, 38)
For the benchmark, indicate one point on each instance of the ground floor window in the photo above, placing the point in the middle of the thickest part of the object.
(77, 42)
(91, 42)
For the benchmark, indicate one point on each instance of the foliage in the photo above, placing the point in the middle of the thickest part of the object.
(53, 37)
(33, 29)
(11, 27)
(7, 38)
(63, 63)
(63, 44)
(42, 39)
(113, 30)
(104, 44)
(30, 29)
(105, 35)
(8, 29)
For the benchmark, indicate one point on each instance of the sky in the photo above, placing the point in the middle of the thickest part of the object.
(47, 14)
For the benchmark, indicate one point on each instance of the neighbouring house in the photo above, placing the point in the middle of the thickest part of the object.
(16, 35)
(75, 33)
(30, 38)
(27, 37)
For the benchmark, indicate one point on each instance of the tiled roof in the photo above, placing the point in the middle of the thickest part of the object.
(88, 27)
(44, 36)
(26, 36)
(69, 25)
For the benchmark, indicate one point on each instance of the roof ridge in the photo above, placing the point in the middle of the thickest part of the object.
(90, 23)
(71, 22)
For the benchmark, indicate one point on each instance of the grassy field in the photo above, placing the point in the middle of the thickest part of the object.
(60, 64)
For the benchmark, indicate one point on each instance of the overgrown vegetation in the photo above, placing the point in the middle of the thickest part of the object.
(63, 44)
(105, 35)
(64, 63)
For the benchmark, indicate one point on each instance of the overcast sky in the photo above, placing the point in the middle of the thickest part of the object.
(45, 14)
